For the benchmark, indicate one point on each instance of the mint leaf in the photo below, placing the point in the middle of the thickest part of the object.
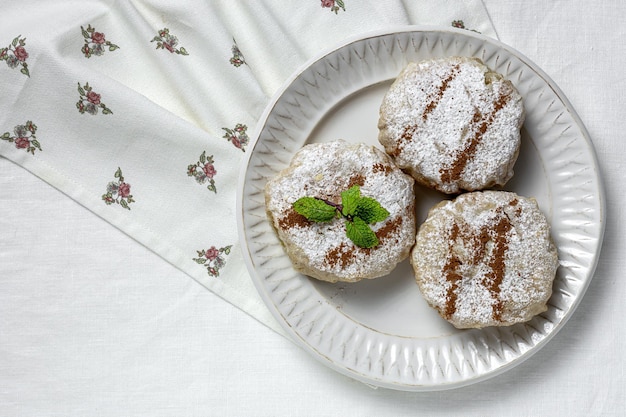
(360, 233)
(359, 212)
(314, 209)
(370, 210)
(349, 199)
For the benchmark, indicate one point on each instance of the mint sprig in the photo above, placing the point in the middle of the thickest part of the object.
(358, 211)
(315, 209)
(360, 233)
(349, 200)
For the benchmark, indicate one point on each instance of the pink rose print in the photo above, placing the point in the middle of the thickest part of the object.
(15, 55)
(118, 192)
(211, 253)
(237, 60)
(460, 25)
(204, 171)
(20, 53)
(334, 5)
(237, 136)
(167, 41)
(97, 37)
(21, 143)
(212, 259)
(124, 190)
(93, 98)
(209, 170)
(23, 137)
(89, 101)
(95, 42)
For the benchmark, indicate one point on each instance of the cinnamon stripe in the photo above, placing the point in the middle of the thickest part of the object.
(451, 275)
(494, 278)
(409, 131)
(453, 172)
(498, 234)
(436, 98)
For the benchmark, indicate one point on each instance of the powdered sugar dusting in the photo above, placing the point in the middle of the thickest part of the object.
(452, 116)
(325, 170)
(485, 259)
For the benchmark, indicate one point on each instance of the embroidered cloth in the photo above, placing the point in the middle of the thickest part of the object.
(142, 110)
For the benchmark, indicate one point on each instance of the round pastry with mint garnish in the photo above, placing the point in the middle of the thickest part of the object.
(344, 212)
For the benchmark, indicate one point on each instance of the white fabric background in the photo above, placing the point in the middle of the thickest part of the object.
(92, 323)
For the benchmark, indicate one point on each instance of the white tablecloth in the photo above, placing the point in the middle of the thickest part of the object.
(93, 323)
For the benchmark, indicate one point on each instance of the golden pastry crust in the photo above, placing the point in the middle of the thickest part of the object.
(485, 259)
(453, 124)
(322, 250)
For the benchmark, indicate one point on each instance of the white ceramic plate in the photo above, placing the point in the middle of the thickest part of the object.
(381, 331)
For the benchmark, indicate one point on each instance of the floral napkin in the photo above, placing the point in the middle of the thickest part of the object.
(142, 111)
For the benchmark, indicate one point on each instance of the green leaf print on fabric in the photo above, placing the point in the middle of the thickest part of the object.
(237, 136)
(334, 5)
(23, 137)
(237, 59)
(95, 42)
(204, 171)
(213, 259)
(15, 55)
(459, 24)
(89, 101)
(118, 191)
(165, 40)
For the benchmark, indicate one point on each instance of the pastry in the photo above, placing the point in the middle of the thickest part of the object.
(485, 258)
(328, 174)
(453, 124)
